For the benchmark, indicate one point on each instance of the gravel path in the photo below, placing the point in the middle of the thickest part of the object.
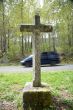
(13, 69)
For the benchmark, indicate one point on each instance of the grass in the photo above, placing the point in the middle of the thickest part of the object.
(10, 64)
(61, 84)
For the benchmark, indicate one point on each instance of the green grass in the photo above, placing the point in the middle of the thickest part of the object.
(61, 84)
(10, 64)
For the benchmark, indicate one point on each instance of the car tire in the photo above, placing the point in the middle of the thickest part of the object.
(28, 64)
(52, 63)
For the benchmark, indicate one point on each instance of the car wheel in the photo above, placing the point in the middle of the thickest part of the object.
(28, 64)
(52, 63)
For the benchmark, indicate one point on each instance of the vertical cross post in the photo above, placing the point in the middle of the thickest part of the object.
(36, 54)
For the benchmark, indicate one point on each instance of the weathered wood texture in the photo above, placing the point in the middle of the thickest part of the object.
(36, 59)
(32, 28)
(36, 29)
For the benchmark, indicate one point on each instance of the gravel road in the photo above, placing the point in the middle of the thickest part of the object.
(13, 69)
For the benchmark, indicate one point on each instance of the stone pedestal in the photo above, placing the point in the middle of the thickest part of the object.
(36, 98)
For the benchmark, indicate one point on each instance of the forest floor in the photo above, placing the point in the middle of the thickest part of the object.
(58, 104)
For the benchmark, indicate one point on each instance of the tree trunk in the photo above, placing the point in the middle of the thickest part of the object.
(22, 32)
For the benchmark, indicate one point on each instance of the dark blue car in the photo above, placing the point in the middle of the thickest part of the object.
(51, 58)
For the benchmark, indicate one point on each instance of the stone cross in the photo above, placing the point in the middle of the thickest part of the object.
(36, 29)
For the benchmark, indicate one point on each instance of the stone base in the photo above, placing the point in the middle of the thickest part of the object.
(36, 98)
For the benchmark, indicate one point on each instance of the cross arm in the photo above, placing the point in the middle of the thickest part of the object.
(26, 28)
(45, 28)
(32, 28)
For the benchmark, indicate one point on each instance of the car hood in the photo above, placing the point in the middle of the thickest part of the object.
(27, 58)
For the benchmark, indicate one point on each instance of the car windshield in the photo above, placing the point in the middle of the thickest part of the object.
(28, 57)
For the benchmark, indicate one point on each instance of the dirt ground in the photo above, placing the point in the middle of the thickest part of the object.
(7, 106)
(57, 103)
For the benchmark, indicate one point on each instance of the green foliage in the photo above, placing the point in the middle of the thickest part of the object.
(71, 1)
(1, 0)
(58, 12)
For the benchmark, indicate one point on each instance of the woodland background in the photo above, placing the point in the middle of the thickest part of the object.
(14, 45)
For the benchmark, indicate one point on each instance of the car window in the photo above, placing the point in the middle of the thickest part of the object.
(53, 55)
(44, 55)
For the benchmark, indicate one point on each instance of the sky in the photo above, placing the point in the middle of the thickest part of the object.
(40, 2)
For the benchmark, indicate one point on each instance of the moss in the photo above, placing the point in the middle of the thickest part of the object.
(40, 97)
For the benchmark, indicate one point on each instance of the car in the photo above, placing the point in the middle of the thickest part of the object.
(51, 58)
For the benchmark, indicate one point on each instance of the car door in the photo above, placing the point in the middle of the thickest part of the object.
(53, 57)
(44, 58)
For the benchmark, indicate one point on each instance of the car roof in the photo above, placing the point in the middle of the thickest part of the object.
(51, 52)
